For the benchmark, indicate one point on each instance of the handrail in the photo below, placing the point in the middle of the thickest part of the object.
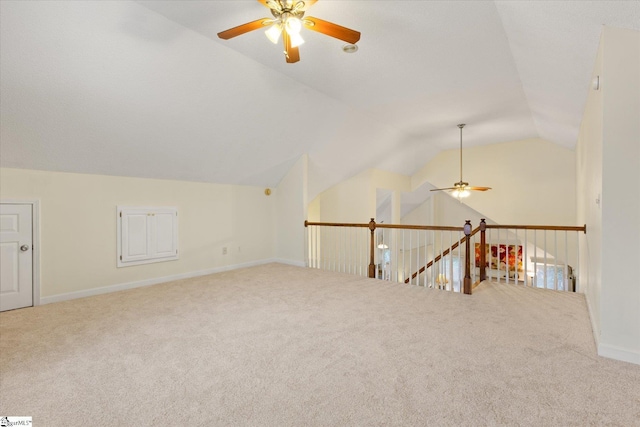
(541, 227)
(336, 224)
(582, 228)
(421, 227)
(402, 226)
(444, 253)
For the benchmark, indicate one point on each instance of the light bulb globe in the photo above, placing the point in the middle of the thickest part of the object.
(296, 39)
(293, 25)
(273, 32)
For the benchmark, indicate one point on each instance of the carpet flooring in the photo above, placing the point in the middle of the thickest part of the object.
(277, 345)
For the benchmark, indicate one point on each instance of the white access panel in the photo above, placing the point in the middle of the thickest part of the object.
(165, 230)
(146, 234)
(135, 236)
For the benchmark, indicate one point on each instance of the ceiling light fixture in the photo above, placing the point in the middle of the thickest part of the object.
(461, 193)
(291, 24)
(288, 19)
(461, 189)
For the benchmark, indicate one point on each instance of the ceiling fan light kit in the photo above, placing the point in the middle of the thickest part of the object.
(461, 189)
(288, 20)
(461, 193)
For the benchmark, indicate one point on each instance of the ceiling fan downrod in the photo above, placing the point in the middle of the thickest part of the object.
(462, 184)
(461, 189)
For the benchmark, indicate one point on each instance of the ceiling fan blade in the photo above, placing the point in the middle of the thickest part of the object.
(244, 28)
(466, 188)
(292, 54)
(331, 29)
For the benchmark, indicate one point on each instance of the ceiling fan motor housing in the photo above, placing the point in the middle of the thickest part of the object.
(286, 10)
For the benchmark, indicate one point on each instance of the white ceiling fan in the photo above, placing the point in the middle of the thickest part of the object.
(462, 189)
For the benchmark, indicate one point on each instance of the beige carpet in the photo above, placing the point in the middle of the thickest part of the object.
(284, 346)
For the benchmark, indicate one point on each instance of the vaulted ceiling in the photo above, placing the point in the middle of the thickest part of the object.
(147, 89)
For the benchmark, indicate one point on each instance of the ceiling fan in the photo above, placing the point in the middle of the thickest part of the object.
(462, 189)
(288, 19)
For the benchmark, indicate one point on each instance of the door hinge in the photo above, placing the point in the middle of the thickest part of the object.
(120, 257)
(120, 214)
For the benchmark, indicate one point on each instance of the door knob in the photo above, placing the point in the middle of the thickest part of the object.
(24, 248)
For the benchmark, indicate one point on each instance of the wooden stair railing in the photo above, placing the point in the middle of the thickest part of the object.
(443, 254)
(468, 233)
(484, 226)
(372, 226)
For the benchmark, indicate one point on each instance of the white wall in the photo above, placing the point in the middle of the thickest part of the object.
(610, 137)
(291, 212)
(443, 210)
(589, 190)
(450, 211)
(422, 215)
(78, 226)
(620, 296)
(533, 180)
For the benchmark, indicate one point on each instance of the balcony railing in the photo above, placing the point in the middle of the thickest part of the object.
(449, 258)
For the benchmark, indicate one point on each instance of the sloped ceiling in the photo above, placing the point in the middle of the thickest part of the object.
(147, 89)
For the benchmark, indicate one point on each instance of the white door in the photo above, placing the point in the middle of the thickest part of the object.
(16, 256)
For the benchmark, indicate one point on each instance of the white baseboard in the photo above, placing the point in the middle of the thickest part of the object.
(154, 281)
(619, 353)
(607, 350)
(594, 327)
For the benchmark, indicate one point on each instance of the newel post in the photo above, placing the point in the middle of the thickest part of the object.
(372, 265)
(483, 250)
(467, 258)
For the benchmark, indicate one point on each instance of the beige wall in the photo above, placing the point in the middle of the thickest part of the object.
(78, 226)
(353, 200)
(390, 181)
(533, 180)
(609, 169)
(313, 210)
